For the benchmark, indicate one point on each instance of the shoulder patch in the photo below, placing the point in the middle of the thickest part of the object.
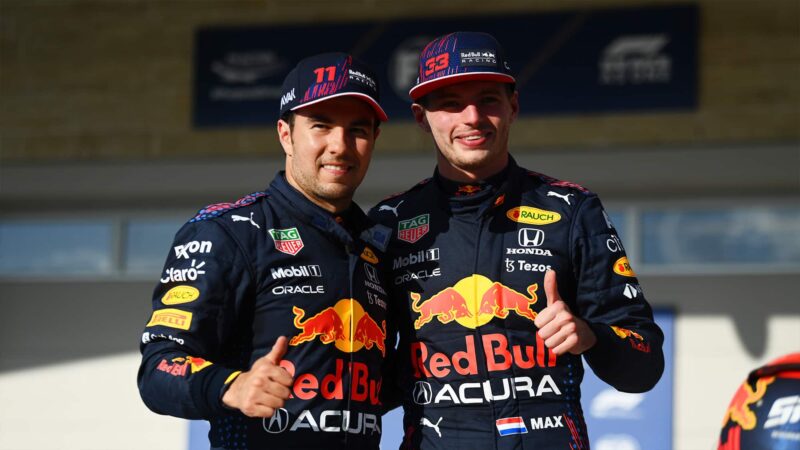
(559, 183)
(218, 209)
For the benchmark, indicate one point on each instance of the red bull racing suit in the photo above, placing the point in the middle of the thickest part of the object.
(468, 265)
(765, 411)
(238, 276)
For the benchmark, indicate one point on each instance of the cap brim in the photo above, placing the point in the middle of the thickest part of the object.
(425, 88)
(369, 100)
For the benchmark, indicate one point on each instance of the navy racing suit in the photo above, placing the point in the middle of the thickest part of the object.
(238, 276)
(468, 265)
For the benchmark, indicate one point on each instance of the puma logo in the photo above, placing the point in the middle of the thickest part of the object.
(391, 208)
(561, 196)
(245, 219)
(435, 426)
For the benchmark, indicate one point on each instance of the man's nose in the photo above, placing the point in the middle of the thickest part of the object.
(471, 114)
(338, 140)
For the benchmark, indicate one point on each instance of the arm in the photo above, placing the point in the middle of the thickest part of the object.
(627, 353)
(189, 347)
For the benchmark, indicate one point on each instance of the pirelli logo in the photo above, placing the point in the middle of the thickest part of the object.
(170, 317)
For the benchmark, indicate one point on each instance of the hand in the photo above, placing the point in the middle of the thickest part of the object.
(264, 388)
(561, 330)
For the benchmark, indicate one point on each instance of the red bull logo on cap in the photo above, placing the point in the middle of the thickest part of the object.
(345, 324)
(473, 301)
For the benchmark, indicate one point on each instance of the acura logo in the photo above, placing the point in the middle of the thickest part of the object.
(530, 237)
(278, 422)
(423, 393)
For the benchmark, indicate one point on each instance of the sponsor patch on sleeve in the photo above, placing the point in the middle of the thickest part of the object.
(170, 317)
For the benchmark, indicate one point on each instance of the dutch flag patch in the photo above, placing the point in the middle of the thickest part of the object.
(511, 425)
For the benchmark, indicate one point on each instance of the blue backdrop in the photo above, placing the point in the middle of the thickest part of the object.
(587, 61)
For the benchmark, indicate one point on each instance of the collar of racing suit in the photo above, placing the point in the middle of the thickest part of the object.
(351, 222)
(479, 197)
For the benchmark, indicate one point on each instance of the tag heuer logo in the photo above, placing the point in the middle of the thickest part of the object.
(287, 240)
(412, 230)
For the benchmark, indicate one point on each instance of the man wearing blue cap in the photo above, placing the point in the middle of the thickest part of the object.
(270, 320)
(503, 277)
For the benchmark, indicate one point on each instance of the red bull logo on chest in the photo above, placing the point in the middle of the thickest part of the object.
(412, 230)
(345, 324)
(474, 301)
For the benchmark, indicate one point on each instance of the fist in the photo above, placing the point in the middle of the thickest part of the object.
(561, 330)
(259, 391)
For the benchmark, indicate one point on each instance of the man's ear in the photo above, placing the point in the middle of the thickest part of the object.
(285, 137)
(419, 117)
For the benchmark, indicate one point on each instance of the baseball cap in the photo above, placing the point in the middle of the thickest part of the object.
(458, 57)
(326, 76)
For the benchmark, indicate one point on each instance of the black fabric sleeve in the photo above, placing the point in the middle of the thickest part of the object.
(184, 354)
(628, 354)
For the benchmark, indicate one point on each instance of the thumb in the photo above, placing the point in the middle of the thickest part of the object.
(551, 287)
(278, 350)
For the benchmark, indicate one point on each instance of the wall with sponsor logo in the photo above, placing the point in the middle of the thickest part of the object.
(104, 80)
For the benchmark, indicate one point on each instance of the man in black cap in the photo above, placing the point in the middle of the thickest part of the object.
(270, 320)
(503, 277)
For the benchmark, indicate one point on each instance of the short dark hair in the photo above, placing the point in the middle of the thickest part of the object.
(425, 100)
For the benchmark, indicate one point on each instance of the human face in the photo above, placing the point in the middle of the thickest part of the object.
(328, 150)
(470, 124)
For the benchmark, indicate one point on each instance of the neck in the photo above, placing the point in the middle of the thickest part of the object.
(470, 174)
(333, 207)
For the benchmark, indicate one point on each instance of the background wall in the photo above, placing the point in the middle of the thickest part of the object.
(95, 107)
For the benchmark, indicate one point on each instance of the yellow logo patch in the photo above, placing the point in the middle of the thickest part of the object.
(369, 256)
(180, 294)
(623, 267)
(533, 216)
(173, 318)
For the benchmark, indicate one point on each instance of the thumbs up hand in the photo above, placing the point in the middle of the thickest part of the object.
(561, 330)
(259, 391)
